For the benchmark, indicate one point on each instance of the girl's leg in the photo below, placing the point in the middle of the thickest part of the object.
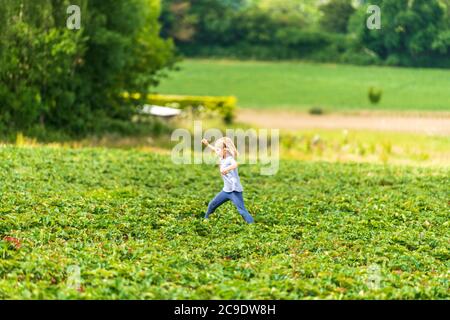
(220, 198)
(238, 201)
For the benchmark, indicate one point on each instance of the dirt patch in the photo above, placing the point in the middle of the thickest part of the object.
(429, 124)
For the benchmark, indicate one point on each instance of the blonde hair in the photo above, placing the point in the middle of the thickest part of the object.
(227, 143)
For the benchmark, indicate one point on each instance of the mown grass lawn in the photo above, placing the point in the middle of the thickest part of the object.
(131, 221)
(300, 86)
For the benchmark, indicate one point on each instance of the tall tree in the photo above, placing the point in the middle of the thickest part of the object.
(336, 15)
(409, 33)
(71, 79)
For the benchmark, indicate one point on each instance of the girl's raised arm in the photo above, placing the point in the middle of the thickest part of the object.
(206, 143)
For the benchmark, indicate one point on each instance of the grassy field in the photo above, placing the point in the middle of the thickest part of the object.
(366, 146)
(297, 85)
(131, 221)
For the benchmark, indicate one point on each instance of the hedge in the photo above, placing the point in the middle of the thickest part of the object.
(225, 106)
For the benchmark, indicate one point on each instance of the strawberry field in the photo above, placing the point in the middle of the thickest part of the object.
(130, 224)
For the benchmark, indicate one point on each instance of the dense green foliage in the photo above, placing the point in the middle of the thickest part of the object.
(414, 33)
(322, 229)
(264, 30)
(301, 86)
(55, 78)
(336, 15)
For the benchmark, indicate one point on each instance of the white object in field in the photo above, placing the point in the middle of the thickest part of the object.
(160, 111)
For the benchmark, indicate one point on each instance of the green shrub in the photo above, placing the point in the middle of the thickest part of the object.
(316, 111)
(375, 95)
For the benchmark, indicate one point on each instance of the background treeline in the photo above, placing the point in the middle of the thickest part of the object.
(414, 32)
(72, 80)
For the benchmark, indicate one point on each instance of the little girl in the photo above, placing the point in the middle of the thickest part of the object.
(232, 188)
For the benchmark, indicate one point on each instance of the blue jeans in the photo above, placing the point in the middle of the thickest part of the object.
(236, 198)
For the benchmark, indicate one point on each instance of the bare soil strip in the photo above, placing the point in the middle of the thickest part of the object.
(427, 124)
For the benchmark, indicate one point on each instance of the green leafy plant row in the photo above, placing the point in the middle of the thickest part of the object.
(118, 224)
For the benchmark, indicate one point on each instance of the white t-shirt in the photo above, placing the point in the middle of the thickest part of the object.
(231, 181)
